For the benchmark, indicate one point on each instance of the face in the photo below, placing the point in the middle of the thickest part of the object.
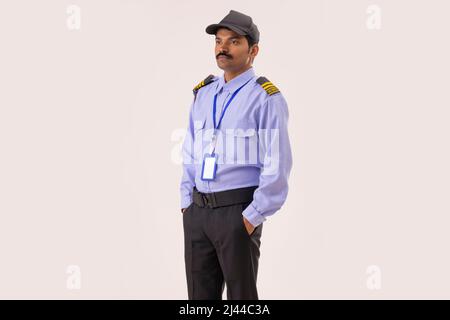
(232, 51)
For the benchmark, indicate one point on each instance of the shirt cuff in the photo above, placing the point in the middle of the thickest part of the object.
(253, 216)
(186, 201)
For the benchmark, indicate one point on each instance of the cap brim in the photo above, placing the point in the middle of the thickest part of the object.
(212, 29)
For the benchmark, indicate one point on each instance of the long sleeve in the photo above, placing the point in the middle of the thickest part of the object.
(188, 178)
(275, 151)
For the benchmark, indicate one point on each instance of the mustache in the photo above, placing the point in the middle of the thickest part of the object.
(224, 54)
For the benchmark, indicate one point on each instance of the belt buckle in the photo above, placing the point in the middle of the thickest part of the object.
(205, 200)
(209, 200)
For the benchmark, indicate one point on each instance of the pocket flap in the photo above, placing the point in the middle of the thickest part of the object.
(199, 124)
(244, 128)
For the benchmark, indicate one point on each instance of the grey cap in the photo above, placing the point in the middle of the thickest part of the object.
(239, 23)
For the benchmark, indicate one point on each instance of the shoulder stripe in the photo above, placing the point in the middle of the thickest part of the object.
(209, 79)
(268, 86)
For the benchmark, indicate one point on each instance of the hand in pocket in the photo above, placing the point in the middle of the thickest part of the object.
(248, 226)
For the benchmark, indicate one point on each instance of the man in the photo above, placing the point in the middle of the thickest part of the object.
(239, 177)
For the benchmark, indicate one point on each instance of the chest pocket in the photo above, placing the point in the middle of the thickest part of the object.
(200, 132)
(244, 139)
(199, 124)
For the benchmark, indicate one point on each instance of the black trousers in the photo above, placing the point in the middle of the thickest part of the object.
(219, 250)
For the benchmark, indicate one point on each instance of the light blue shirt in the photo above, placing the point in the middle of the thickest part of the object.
(253, 147)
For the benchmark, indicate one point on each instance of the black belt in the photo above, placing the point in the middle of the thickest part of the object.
(223, 198)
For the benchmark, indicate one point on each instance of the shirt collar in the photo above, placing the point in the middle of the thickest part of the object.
(236, 82)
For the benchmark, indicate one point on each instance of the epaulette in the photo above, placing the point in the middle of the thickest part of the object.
(267, 86)
(205, 82)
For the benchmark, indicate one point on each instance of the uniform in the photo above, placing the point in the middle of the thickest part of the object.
(236, 162)
(218, 248)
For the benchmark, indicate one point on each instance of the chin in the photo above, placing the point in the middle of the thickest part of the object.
(222, 66)
(225, 65)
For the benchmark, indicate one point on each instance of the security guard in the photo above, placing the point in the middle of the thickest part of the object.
(236, 163)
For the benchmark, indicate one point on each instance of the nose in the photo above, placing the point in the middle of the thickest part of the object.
(223, 48)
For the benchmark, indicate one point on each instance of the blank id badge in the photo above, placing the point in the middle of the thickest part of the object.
(209, 167)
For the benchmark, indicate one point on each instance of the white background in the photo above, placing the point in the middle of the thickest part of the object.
(90, 124)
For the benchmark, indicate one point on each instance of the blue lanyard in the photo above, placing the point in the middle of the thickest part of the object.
(226, 106)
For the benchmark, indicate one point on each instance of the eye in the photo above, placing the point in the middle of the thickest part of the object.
(235, 42)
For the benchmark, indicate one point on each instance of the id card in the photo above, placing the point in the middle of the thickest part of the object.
(209, 167)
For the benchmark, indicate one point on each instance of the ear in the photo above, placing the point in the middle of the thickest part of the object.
(254, 50)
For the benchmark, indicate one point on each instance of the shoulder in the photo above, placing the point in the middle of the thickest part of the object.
(269, 96)
(207, 81)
